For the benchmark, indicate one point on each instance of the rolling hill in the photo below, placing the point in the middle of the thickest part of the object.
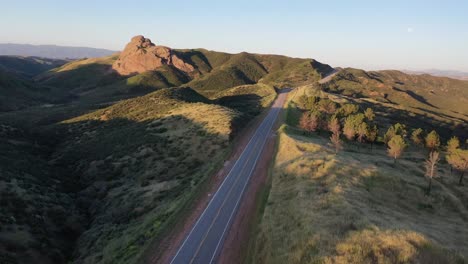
(106, 156)
(51, 51)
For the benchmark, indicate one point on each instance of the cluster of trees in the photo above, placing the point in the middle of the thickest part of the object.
(324, 114)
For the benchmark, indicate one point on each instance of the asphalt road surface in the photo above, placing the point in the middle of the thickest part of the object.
(205, 240)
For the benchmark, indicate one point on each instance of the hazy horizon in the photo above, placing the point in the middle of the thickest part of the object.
(415, 36)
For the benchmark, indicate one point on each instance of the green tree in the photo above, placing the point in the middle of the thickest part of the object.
(432, 140)
(362, 131)
(351, 125)
(369, 113)
(327, 106)
(307, 102)
(431, 168)
(348, 109)
(417, 137)
(396, 146)
(396, 129)
(458, 159)
(453, 144)
(334, 125)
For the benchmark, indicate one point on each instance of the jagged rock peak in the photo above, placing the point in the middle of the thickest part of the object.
(141, 55)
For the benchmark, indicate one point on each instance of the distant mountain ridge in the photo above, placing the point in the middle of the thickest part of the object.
(52, 51)
(441, 73)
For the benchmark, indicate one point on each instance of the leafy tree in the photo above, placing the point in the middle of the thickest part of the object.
(396, 146)
(309, 121)
(327, 106)
(431, 168)
(307, 102)
(396, 129)
(417, 137)
(349, 109)
(459, 160)
(369, 113)
(362, 132)
(334, 125)
(453, 144)
(432, 140)
(351, 125)
(348, 130)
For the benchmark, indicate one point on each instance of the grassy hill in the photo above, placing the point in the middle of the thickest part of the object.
(359, 206)
(125, 173)
(419, 92)
(28, 66)
(105, 163)
(17, 89)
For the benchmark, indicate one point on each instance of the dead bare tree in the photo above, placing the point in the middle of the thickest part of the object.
(431, 168)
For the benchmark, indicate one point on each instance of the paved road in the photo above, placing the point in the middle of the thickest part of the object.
(205, 240)
(330, 76)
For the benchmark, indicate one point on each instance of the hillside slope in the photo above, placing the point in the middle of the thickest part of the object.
(438, 94)
(354, 203)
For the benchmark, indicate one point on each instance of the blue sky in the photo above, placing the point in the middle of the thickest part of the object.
(364, 34)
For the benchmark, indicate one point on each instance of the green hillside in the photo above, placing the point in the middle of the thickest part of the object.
(107, 164)
(28, 66)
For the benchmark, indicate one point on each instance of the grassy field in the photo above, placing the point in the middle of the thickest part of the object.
(358, 207)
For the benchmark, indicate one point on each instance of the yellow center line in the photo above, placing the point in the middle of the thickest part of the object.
(224, 201)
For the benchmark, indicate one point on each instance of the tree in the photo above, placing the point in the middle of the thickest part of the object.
(336, 141)
(396, 129)
(348, 109)
(432, 140)
(327, 106)
(351, 125)
(304, 121)
(348, 129)
(334, 125)
(362, 132)
(396, 145)
(459, 160)
(307, 102)
(453, 144)
(417, 137)
(431, 168)
(309, 122)
(372, 133)
(369, 113)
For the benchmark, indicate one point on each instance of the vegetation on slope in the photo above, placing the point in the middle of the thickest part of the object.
(357, 206)
(124, 172)
(419, 92)
(28, 66)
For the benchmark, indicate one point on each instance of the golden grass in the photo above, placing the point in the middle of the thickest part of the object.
(108, 60)
(356, 207)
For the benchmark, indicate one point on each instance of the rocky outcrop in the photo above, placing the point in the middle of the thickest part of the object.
(141, 55)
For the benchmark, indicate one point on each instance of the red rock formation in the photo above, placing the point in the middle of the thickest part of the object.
(141, 55)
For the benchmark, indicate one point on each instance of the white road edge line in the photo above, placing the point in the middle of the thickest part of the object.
(217, 191)
(243, 189)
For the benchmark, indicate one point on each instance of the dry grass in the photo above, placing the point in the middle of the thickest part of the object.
(356, 207)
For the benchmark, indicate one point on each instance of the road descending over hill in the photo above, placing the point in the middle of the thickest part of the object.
(206, 238)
